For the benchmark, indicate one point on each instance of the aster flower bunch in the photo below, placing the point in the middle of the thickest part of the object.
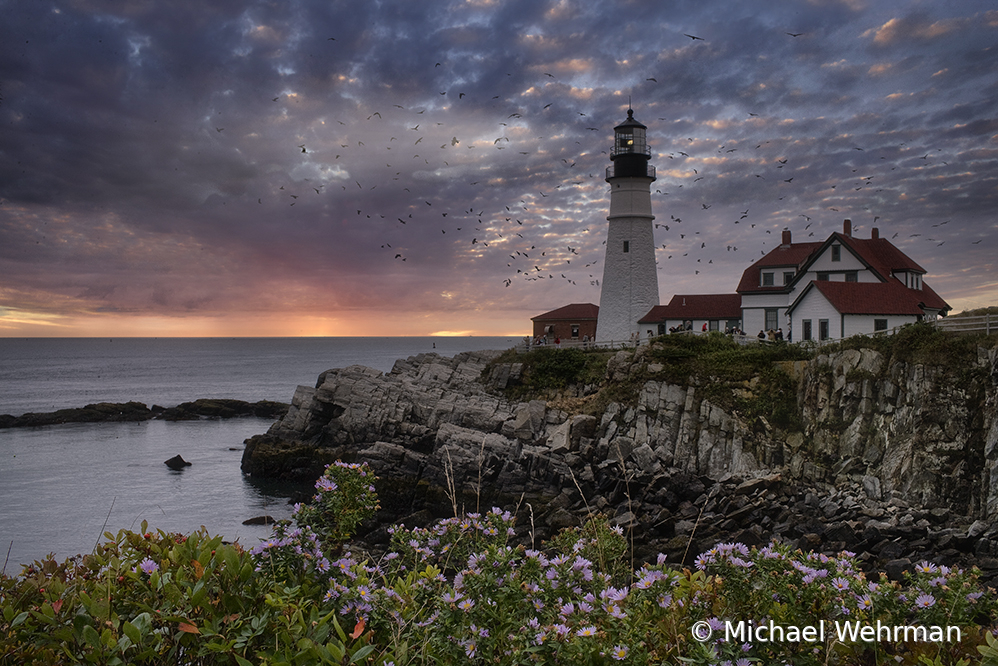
(345, 497)
(506, 604)
(599, 542)
(291, 554)
(939, 595)
(448, 543)
(793, 588)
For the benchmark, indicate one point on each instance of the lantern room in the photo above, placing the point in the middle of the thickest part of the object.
(630, 151)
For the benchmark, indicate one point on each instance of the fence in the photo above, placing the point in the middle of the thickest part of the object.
(525, 346)
(987, 324)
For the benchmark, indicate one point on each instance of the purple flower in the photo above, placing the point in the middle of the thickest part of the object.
(325, 484)
(926, 567)
(586, 631)
(925, 601)
(619, 652)
(148, 566)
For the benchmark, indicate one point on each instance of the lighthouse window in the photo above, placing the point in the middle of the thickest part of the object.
(627, 246)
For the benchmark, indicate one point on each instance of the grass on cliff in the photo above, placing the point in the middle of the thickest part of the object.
(919, 343)
(748, 378)
(545, 371)
(751, 379)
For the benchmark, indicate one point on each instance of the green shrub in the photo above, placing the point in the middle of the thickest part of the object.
(459, 593)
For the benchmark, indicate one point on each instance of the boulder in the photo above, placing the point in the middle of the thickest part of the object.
(177, 463)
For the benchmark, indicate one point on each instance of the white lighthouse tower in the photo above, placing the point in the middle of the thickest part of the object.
(630, 281)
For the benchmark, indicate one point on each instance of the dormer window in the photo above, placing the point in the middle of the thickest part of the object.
(767, 279)
(836, 253)
(788, 277)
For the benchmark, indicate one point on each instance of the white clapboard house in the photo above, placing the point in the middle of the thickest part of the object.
(833, 289)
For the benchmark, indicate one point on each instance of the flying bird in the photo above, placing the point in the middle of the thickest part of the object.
(694, 37)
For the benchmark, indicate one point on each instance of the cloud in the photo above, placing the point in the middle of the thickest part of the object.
(175, 160)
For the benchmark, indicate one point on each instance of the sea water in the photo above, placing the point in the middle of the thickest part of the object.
(62, 486)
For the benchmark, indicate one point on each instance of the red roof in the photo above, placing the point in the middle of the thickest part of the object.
(575, 312)
(881, 255)
(696, 306)
(793, 255)
(870, 298)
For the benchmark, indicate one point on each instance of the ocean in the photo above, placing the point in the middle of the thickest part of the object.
(62, 486)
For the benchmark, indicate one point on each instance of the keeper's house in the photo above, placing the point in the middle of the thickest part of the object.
(833, 289)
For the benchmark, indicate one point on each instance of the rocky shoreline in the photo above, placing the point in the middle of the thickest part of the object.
(891, 460)
(106, 412)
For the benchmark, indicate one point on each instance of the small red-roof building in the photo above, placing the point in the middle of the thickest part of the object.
(571, 322)
(720, 312)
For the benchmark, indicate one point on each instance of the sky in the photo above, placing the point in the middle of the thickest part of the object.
(379, 168)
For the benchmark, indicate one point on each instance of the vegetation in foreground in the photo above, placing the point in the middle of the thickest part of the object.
(459, 592)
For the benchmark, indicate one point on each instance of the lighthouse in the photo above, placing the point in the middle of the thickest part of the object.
(630, 281)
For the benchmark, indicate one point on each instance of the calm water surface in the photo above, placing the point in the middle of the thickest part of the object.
(58, 483)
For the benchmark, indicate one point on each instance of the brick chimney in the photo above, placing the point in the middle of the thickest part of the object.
(786, 238)
(847, 228)
(875, 234)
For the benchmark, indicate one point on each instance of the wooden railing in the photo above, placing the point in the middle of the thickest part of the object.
(987, 324)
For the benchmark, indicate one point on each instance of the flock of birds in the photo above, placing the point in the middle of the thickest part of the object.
(522, 232)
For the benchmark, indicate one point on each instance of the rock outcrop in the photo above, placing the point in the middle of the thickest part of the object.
(177, 463)
(895, 461)
(106, 412)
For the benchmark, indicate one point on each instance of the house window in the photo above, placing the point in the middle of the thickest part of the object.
(767, 279)
(823, 276)
(806, 329)
(879, 324)
(627, 246)
(771, 317)
(836, 253)
(712, 325)
(917, 282)
(852, 276)
(575, 330)
(788, 277)
(822, 329)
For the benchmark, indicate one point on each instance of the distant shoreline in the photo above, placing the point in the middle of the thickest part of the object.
(112, 412)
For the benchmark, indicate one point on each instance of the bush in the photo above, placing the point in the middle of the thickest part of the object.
(458, 593)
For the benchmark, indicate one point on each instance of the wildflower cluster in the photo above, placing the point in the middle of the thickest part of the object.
(345, 497)
(448, 543)
(938, 593)
(502, 603)
(792, 588)
(291, 553)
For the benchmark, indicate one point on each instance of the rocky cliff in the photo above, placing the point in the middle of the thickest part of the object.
(891, 458)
